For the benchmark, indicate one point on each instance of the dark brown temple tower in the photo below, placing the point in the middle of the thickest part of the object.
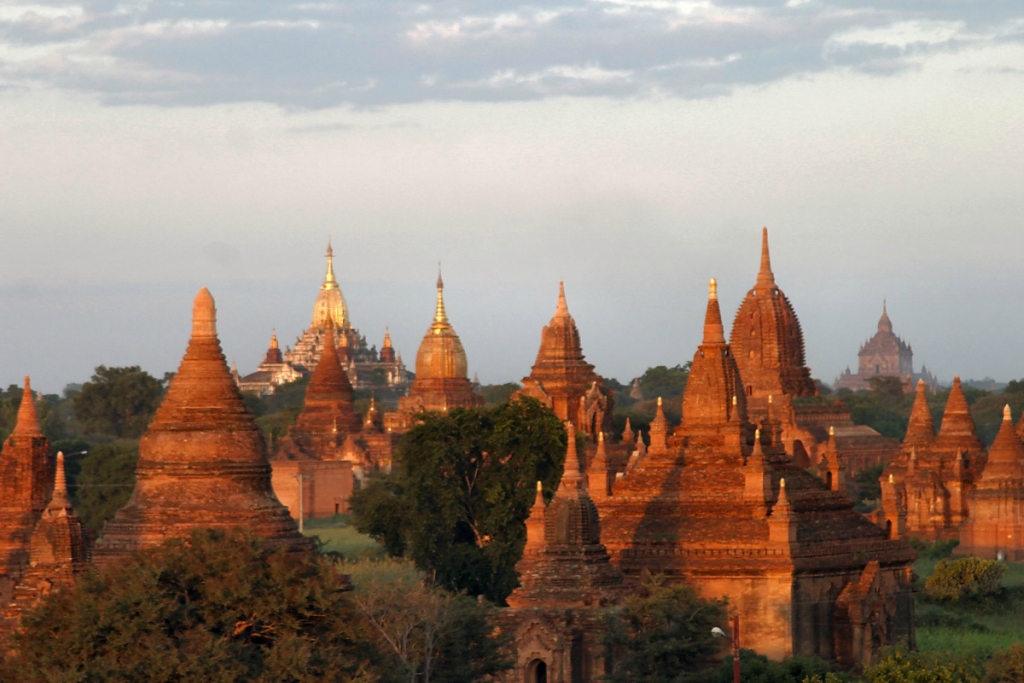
(202, 462)
(563, 380)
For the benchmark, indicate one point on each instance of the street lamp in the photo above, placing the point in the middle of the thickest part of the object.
(719, 633)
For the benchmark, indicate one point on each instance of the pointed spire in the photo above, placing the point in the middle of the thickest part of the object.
(757, 452)
(562, 309)
(60, 485)
(783, 505)
(627, 433)
(273, 339)
(1006, 455)
(659, 430)
(765, 277)
(920, 428)
(387, 338)
(329, 278)
(571, 476)
(957, 429)
(28, 420)
(204, 316)
(535, 521)
(884, 324)
(439, 313)
(714, 332)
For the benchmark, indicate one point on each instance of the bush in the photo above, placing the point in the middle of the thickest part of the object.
(967, 577)
(934, 550)
(933, 616)
(1006, 666)
(902, 666)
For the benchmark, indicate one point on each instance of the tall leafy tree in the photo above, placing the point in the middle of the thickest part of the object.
(117, 401)
(214, 607)
(461, 488)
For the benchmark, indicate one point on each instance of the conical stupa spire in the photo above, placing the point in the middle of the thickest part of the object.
(439, 313)
(28, 420)
(562, 309)
(571, 475)
(714, 332)
(273, 339)
(765, 277)
(957, 429)
(204, 316)
(329, 278)
(920, 428)
(387, 338)
(884, 324)
(60, 485)
(1006, 456)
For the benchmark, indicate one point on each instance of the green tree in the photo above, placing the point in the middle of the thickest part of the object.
(103, 482)
(434, 634)
(495, 394)
(664, 381)
(966, 577)
(661, 633)
(461, 487)
(213, 607)
(117, 401)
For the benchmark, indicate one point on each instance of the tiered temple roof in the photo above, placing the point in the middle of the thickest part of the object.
(202, 461)
(563, 380)
(768, 342)
(712, 510)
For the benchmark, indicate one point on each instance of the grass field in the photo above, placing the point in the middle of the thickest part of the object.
(337, 536)
(972, 628)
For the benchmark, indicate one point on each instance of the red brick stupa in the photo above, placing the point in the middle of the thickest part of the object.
(202, 462)
(995, 528)
(563, 380)
(26, 480)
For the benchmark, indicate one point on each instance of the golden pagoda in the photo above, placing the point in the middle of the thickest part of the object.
(330, 305)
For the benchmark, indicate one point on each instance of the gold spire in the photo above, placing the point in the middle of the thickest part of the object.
(387, 338)
(765, 277)
(329, 279)
(713, 290)
(1006, 413)
(439, 314)
(273, 339)
(204, 315)
(561, 310)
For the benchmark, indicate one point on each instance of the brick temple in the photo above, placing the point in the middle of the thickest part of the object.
(884, 355)
(202, 461)
(564, 381)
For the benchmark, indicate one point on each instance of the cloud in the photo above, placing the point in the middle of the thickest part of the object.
(310, 55)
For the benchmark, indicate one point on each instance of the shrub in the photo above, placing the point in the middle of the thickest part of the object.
(933, 616)
(902, 666)
(1006, 666)
(965, 577)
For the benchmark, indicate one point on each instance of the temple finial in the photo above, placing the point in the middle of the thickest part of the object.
(765, 277)
(1006, 413)
(204, 315)
(329, 278)
(571, 471)
(27, 423)
(714, 332)
(439, 313)
(562, 309)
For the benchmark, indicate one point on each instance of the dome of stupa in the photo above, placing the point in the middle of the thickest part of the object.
(441, 355)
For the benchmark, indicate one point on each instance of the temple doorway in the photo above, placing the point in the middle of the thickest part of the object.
(537, 672)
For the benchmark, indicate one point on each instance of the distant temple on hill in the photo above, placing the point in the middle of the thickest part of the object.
(885, 355)
(365, 366)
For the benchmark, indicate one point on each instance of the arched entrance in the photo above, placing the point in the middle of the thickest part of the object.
(537, 672)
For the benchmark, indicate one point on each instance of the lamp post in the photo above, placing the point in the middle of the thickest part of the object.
(719, 633)
(301, 495)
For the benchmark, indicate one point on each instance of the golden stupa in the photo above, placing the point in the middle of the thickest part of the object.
(330, 304)
(441, 355)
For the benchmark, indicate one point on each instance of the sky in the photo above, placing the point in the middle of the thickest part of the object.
(632, 148)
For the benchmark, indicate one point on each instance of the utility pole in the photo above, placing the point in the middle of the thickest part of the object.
(302, 495)
(736, 648)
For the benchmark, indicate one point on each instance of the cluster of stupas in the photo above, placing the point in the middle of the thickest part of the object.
(365, 366)
(746, 498)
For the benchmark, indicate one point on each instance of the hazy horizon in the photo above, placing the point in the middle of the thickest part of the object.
(633, 148)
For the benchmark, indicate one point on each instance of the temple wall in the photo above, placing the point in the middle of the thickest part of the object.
(996, 525)
(327, 486)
